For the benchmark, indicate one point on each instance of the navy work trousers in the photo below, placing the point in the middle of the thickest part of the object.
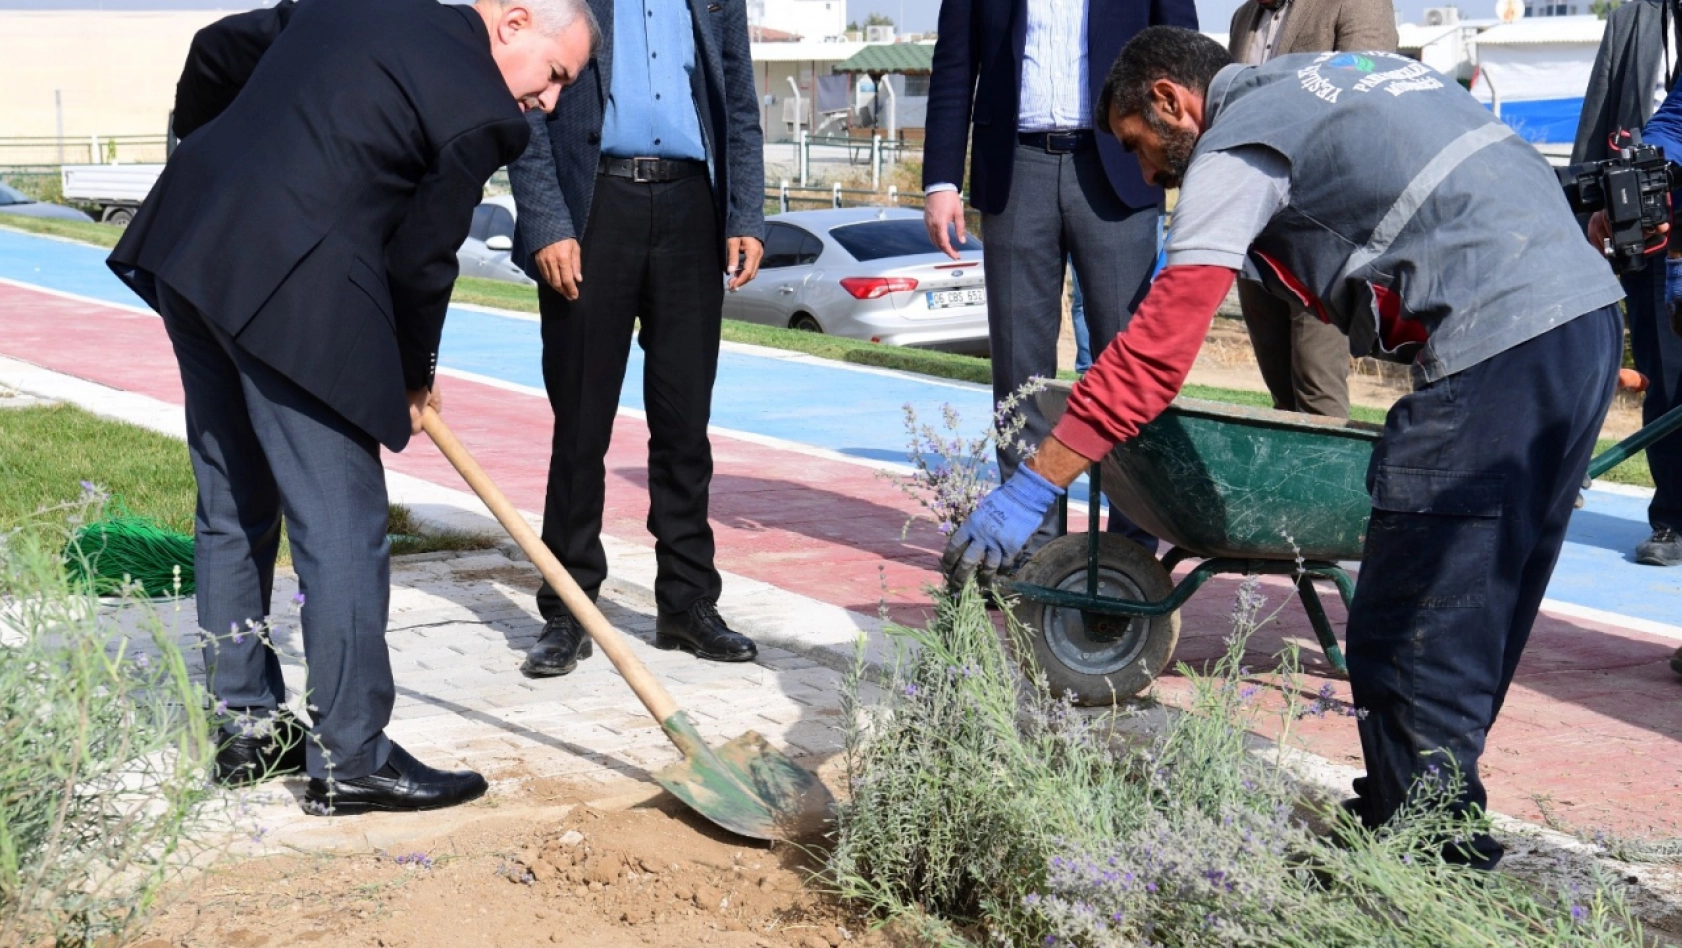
(1472, 488)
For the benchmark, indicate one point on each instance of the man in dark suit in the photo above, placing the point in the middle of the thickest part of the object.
(300, 247)
(636, 197)
(1017, 79)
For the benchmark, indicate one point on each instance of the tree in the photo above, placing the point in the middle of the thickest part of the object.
(878, 19)
(1601, 8)
(853, 27)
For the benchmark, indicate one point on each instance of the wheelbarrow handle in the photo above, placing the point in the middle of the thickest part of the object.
(612, 642)
(1618, 453)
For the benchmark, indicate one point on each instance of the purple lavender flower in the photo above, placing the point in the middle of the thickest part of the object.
(1579, 913)
(298, 598)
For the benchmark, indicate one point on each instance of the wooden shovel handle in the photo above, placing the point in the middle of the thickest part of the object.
(610, 640)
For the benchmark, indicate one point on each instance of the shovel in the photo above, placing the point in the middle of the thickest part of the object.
(747, 786)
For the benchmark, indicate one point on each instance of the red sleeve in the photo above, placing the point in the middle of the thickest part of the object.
(1143, 368)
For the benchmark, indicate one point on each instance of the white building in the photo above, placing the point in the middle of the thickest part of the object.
(1533, 73)
(808, 64)
(811, 20)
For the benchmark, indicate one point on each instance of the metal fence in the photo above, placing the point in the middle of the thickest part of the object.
(785, 197)
(92, 150)
(874, 150)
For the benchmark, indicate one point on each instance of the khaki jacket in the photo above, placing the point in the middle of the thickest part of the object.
(1318, 26)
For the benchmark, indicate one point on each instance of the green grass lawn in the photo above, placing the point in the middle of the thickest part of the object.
(89, 232)
(947, 365)
(46, 452)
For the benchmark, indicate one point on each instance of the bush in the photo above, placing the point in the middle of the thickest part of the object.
(104, 751)
(982, 810)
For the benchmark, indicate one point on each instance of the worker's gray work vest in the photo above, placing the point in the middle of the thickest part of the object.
(1418, 223)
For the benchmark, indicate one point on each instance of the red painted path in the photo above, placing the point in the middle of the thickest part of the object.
(1593, 726)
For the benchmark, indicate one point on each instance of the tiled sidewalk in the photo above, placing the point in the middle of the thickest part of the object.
(1593, 723)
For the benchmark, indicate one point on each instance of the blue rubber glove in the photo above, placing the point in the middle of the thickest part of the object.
(999, 528)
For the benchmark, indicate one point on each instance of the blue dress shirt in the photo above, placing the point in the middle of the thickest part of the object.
(651, 105)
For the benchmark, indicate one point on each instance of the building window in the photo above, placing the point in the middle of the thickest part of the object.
(917, 85)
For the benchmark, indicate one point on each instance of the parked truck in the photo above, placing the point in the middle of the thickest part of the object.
(115, 190)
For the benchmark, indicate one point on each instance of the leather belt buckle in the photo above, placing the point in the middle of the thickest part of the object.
(643, 170)
(1062, 143)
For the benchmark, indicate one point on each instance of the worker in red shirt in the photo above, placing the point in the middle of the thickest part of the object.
(1378, 195)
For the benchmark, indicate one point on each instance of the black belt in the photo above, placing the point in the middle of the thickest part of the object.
(1059, 143)
(651, 170)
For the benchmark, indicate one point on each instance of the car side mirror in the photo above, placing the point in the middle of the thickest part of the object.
(501, 242)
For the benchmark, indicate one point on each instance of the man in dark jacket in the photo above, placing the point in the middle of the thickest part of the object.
(1016, 80)
(1636, 67)
(300, 247)
(636, 198)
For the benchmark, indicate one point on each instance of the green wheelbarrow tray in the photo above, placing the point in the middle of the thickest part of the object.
(1234, 481)
(1245, 490)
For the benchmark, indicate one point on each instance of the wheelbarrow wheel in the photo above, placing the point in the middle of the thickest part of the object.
(1098, 658)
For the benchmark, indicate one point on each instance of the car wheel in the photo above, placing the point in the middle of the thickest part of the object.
(117, 216)
(805, 322)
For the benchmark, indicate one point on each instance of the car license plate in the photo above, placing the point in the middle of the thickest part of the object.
(950, 299)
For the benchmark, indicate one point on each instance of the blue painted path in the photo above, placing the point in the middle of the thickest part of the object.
(860, 413)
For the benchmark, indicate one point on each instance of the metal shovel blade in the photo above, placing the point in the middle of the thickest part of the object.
(747, 786)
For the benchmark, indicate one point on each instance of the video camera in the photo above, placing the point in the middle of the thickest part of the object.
(1634, 189)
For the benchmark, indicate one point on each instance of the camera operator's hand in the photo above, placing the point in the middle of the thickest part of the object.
(1600, 233)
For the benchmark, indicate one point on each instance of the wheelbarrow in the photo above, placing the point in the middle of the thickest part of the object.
(1241, 490)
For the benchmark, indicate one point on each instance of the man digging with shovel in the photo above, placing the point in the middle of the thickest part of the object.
(300, 247)
(1383, 198)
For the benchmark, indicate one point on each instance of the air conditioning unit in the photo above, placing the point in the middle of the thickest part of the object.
(878, 34)
(1442, 16)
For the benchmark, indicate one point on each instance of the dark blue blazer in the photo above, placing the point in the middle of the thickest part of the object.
(331, 156)
(555, 180)
(977, 80)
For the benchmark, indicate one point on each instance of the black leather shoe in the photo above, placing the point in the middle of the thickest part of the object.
(403, 784)
(700, 631)
(1663, 548)
(558, 650)
(252, 750)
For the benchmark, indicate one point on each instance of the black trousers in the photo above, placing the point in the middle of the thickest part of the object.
(1658, 355)
(1472, 488)
(653, 265)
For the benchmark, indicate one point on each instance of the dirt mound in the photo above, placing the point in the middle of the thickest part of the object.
(647, 876)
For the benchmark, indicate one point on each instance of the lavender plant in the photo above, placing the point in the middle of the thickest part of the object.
(104, 750)
(982, 810)
(952, 471)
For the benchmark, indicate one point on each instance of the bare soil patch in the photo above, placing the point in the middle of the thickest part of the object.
(575, 873)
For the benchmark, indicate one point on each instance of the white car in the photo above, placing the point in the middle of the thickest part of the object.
(485, 253)
(866, 273)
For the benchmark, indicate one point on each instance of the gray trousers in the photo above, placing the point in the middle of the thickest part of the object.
(261, 446)
(1304, 361)
(1061, 207)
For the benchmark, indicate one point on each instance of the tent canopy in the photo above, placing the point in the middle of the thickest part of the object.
(881, 59)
